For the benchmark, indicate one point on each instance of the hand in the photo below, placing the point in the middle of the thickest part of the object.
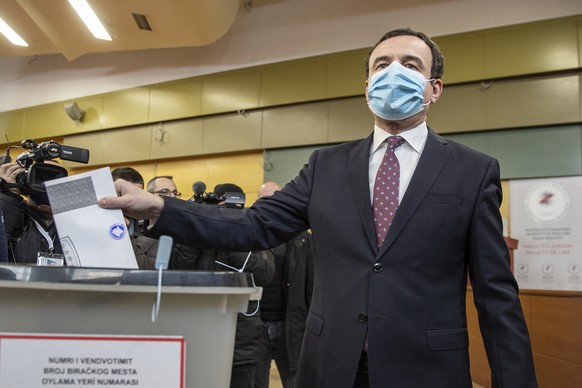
(45, 209)
(9, 172)
(135, 202)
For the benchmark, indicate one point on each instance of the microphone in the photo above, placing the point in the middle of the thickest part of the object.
(198, 188)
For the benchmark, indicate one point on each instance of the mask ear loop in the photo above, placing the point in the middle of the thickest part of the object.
(252, 278)
(258, 302)
(430, 80)
(254, 312)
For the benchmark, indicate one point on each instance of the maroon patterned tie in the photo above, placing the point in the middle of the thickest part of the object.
(386, 189)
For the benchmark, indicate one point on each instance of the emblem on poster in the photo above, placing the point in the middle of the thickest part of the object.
(547, 203)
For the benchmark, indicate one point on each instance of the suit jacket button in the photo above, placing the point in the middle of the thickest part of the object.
(363, 318)
(377, 267)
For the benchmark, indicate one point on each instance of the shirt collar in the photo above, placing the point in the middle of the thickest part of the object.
(415, 137)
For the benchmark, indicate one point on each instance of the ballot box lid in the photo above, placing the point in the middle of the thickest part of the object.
(14, 275)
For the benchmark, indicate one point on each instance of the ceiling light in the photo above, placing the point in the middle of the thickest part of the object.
(91, 20)
(11, 35)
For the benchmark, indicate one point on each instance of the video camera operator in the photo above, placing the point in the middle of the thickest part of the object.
(261, 264)
(30, 227)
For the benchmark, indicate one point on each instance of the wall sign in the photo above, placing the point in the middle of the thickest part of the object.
(546, 218)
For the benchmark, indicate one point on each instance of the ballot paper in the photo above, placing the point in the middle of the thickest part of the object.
(90, 236)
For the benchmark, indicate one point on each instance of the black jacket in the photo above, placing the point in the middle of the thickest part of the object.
(248, 327)
(24, 239)
(146, 249)
(3, 239)
(297, 289)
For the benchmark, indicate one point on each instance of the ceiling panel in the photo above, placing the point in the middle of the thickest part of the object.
(52, 26)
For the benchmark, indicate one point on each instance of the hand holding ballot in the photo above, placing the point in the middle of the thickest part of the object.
(135, 202)
(90, 236)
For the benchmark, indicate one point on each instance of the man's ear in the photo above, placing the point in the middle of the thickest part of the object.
(366, 89)
(437, 90)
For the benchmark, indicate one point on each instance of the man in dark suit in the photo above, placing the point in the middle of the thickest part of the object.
(385, 311)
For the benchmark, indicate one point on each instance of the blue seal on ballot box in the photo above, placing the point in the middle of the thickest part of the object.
(117, 231)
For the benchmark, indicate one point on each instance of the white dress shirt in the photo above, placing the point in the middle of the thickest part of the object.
(408, 155)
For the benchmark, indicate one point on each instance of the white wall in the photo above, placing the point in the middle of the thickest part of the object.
(272, 31)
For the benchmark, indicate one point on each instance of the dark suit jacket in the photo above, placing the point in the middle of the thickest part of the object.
(410, 294)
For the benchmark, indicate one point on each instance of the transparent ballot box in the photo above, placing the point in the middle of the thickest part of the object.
(196, 309)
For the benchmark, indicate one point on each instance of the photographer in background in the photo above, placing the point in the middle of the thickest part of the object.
(29, 223)
(261, 265)
(30, 227)
(284, 305)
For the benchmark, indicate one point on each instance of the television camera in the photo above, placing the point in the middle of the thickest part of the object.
(37, 172)
(230, 199)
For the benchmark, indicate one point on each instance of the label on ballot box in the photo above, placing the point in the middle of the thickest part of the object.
(60, 360)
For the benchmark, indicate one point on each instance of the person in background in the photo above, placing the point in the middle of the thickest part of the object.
(3, 236)
(3, 240)
(389, 296)
(29, 226)
(261, 264)
(183, 257)
(129, 174)
(284, 305)
(164, 186)
(145, 248)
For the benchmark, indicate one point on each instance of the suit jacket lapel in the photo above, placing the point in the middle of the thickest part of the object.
(358, 160)
(431, 162)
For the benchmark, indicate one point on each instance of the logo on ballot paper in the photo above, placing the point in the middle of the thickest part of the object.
(117, 231)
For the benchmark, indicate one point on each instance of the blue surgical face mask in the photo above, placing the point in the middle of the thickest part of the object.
(396, 92)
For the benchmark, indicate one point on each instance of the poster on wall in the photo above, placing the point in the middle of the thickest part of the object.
(546, 218)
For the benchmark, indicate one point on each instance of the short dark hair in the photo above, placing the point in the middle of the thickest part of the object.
(223, 188)
(129, 174)
(152, 182)
(438, 60)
